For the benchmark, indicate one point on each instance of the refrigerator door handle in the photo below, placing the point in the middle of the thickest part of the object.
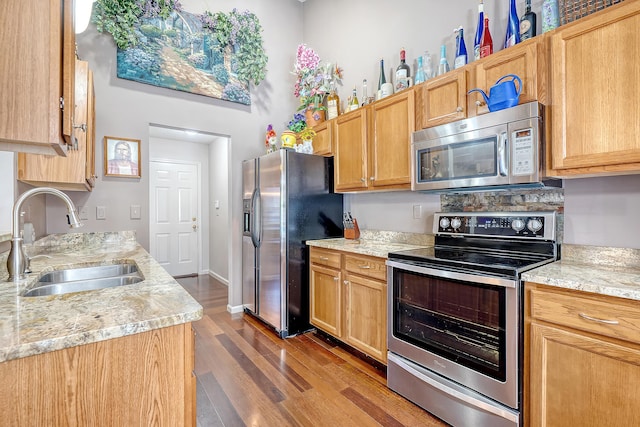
(256, 227)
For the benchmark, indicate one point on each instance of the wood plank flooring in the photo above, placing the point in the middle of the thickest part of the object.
(248, 376)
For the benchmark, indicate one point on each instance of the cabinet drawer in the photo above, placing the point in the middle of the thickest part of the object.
(370, 267)
(608, 317)
(324, 257)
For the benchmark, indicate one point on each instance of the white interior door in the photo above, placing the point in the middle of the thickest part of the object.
(174, 223)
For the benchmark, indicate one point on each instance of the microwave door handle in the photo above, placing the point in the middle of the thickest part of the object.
(502, 154)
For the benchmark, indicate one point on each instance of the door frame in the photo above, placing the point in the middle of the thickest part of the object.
(199, 235)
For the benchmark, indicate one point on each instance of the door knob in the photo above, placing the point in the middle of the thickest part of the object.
(194, 227)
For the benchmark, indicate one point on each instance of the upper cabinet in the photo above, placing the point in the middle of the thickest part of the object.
(76, 171)
(527, 60)
(373, 145)
(442, 99)
(594, 94)
(323, 141)
(37, 60)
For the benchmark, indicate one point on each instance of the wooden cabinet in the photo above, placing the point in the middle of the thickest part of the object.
(76, 171)
(348, 299)
(527, 60)
(583, 359)
(594, 94)
(37, 60)
(323, 141)
(137, 380)
(373, 145)
(442, 99)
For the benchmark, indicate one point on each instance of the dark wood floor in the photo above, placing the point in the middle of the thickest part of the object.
(248, 376)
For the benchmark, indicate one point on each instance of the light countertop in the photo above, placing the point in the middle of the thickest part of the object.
(34, 325)
(376, 243)
(601, 270)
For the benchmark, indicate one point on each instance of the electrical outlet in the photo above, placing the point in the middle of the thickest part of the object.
(417, 211)
(84, 213)
(101, 212)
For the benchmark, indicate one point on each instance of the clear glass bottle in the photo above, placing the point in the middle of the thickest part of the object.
(461, 49)
(382, 79)
(479, 28)
(354, 104)
(428, 66)
(420, 77)
(486, 45)
(444, 64)
(365, 94)
(528, 23)
(512, 36)
(550, 16)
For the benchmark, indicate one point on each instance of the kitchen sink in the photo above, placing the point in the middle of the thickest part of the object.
(85, 279)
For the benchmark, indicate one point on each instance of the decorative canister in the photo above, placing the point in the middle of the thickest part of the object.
(288, 139)
(550, 15)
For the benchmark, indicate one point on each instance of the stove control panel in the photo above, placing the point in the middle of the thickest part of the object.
(522, 225)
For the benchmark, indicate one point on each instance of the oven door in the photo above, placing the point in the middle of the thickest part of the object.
(462, 326)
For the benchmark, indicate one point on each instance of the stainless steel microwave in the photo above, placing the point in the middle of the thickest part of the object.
(501, 148)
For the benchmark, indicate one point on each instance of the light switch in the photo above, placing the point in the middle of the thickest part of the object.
(134, 212)
(84, 213)
(216, 204)
(417, 211)
(101, 212)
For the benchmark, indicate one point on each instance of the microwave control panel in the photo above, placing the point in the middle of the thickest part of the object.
(526, 225)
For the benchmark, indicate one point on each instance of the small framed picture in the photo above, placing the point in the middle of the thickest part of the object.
(121, 157)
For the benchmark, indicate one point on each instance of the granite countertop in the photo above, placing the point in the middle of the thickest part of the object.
(376, 243)
(601, 270)
(34, 325)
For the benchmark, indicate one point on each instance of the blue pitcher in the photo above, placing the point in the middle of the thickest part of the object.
(503, 94)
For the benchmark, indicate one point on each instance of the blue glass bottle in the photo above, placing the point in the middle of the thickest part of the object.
(513, 27)
(478, 38)
(420, 77)
(461, 49)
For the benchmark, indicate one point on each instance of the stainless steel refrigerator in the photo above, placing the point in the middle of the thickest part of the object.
(287, 199)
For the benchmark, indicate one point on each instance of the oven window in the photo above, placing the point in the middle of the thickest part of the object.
(460, 321)
(471, 159)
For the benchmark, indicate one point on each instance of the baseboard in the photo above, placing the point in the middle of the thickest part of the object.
(234, 309)
(218, 278)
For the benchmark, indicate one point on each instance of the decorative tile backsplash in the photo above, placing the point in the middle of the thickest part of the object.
(542, 199)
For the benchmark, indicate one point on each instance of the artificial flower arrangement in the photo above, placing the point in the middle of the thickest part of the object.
(307, 134)
(314, 80)
(298, 123)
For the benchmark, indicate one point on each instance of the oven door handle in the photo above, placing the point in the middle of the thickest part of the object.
(435, 272)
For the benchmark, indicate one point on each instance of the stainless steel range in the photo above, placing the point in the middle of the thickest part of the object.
(455, 330)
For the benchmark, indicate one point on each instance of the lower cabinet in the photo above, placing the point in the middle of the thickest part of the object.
(138, 380)
(348, 299)
(583, 359)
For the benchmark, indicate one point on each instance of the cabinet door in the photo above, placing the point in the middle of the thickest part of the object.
(70, 172)
(325, 299)
(351, 151)
(366, 316)
(390, 154)
(37, 77)
(580, 380)
(527, 60)
(90, 167)
(442, 99)
(323, 141)
(595, 92)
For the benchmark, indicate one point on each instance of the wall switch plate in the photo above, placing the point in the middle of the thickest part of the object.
(101, 212)
(134, 212)
(83, 212)
(417, 211)
(216, 204)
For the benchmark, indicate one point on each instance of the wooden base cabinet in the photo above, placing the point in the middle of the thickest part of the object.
(348, 299)
(138, 380)
(584, 359)
(594, 93)
(76, 171)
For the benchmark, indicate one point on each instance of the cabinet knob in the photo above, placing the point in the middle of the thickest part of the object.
(459, 110)
(335, 279)
(82, 127)
(481, 103)
(371, 178)
(362, 179)
(366, 267)
(346, 282)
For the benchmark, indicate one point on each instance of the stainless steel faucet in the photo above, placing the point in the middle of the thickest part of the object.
(18, 261)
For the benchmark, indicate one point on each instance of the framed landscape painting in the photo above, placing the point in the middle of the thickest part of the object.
(176, 53)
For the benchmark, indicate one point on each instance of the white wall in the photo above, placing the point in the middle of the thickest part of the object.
(219, 259)
(7, 189)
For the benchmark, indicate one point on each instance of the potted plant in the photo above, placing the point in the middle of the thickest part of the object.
(314, 80)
